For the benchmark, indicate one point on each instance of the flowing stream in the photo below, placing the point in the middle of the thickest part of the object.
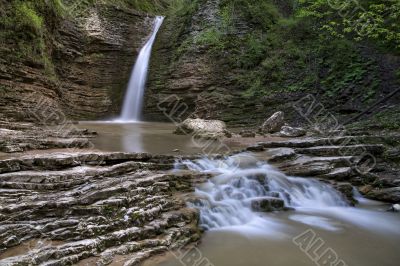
(365, 235)
(133, 101)
(225, 200)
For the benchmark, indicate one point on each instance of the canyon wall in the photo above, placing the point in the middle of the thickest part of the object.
(92, 59)
(240, 61)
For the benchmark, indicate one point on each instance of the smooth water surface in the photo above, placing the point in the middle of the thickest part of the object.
(156, 138)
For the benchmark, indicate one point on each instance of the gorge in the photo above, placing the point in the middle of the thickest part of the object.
(252, 133)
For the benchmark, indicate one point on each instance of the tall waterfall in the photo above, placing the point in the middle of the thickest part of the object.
(133, 102)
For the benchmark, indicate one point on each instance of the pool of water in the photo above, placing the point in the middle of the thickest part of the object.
(356, 236)
(156, 138)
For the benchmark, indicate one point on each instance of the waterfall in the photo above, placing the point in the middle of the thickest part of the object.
(132, 108)
(225, 200)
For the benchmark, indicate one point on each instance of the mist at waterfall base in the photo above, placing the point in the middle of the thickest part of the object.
(133, 101)
(225, 200)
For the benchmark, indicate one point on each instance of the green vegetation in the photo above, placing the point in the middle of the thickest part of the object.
(376, 20)
(29, 26)
(26, 25)
(310, 46)
(388, 119)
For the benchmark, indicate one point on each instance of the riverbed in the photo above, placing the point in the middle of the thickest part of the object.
(365, 235)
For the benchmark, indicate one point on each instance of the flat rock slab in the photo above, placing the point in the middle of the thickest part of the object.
(351, 150)
(96, 206)
(280, 154)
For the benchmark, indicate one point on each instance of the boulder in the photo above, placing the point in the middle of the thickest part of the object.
(394, 208)
(200, 128)
(273, 124)
(267, 204)
(291, 132)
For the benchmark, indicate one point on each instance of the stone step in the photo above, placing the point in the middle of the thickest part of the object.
(339, 174)
(351, 150)
(314, 166)
(63, 160)
(312, 142)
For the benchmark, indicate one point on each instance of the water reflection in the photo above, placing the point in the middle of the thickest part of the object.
(156, 138)
(132, 139)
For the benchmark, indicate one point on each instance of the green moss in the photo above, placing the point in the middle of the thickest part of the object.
(27, 17)
(387, 120)
(211, 37)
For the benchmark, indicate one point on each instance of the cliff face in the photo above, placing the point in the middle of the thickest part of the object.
(240, 61)
(182, 69)
(92, 61)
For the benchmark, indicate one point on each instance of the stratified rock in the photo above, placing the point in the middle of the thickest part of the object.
(19, 137)
(280, 154)
(350, 150)
(94, 206)
(365, 189)
(386, 194)
(274, 123)
(292, 132)
(92, 59)
(200, 128)
(247, 134)
(267, 204)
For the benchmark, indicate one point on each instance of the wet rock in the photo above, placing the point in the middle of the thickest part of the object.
(247, 134)
(228, 134)
(267, 204)
(350, 150)
(386, 194)
(273, 124)
(200, 128)
(98, 205)
(339, 174)
(394, 208)
(347, 190)
(365, 189)
(19, 137)
(280, 154)
(291, 132)
(255, 148)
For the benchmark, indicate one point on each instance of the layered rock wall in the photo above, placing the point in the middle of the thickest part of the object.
(92, 58)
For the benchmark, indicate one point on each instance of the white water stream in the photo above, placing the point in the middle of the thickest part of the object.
(133, 101)
(225, 200)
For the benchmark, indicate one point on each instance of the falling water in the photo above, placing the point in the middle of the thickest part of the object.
(132, 107)
(225, 200)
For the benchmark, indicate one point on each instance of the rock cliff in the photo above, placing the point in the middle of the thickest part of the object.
(240, 61)
(92, 59)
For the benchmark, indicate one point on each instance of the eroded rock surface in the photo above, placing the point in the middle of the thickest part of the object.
(343, 161)
(19, 137)
(94, 206)
(92, 60)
